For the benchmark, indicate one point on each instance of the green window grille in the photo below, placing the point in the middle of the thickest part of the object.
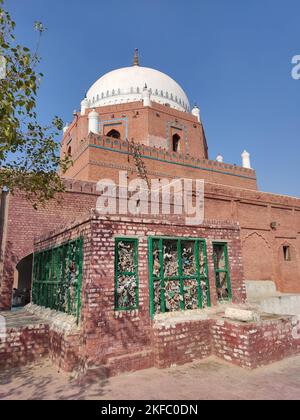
(178, 275)
(126, 274)
(222, 276)
(57, 278)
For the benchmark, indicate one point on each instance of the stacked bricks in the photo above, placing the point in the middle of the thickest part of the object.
(112, 338)
(181, 343)
(254, 345)
(64, 350)
(24, 345)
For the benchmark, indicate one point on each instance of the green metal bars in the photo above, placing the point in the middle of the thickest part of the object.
(178, 274)
(57, 278)
(126, 274)
(222, 276)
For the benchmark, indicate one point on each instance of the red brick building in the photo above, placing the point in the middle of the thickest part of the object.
(138, 120)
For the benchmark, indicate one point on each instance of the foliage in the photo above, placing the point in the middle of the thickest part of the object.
(29, 153)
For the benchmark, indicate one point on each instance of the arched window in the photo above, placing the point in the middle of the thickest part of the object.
(114, 134)
(69, 151)
(176, 143)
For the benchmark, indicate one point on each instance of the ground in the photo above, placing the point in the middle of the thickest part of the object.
(209, 379)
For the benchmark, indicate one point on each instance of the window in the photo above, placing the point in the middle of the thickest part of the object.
(287, 253)
(176, 143)
(223, 282)
(126, 274)
(57, 278)
(178, 275)
(114, 134)
(69, 151)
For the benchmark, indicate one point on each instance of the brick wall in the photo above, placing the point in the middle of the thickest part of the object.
(107, 336)
(64, 350)
(261, 245)
(24, 345)
(254, 345)
(24, 224)
(181, 342)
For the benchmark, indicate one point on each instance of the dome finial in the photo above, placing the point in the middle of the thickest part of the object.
(136, 57)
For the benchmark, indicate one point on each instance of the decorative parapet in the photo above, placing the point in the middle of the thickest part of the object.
(160, 154)
(163, 155)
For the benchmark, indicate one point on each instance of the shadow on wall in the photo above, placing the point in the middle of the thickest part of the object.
(22, 282)
(289, 267)
(257, 257)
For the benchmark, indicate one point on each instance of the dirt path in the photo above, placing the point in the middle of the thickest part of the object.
(209, 379)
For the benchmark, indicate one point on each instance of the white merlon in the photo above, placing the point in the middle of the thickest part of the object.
(196, 112)
(93, 122)
(246, 160)
(66, 128)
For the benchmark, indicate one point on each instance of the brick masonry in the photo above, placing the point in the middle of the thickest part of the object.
(122, 340)
(24, 345)
(181, 342)
(29, 338)
(254, 345)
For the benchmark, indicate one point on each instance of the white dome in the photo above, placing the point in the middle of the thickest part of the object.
(127, 85)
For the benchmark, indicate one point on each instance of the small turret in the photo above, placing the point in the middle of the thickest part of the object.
(146, 96)
(246, 159)
(66, 128)
(220, 159)
(93, 122)
(196, 112)
(84, 106)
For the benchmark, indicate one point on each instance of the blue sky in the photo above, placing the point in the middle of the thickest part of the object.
(232, 57)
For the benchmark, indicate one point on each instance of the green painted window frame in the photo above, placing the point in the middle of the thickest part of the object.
(52, 278)
(226, 270)
(135, 241)
(180, 278)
